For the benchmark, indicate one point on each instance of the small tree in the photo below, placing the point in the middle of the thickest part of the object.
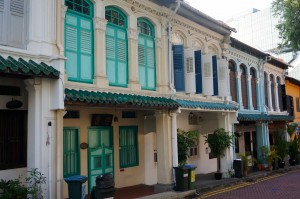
(185, 139)
(218, 142)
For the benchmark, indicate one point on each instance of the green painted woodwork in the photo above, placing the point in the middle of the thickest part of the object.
(263, 117)
(71, 159)
(146, 55)
(100, 153)
(116, 48)
(205, 105)
(24, 68)
(79, 42)
(107, 98)
(128, 144)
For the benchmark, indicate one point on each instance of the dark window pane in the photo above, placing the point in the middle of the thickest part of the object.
(77, 8)
(78, 2)
(70, 5)
(86, 11)
(98, 162)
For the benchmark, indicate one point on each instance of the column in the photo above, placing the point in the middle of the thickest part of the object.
(133, 67)
(225, 121)
(100, 52)
(59, 154)
(33, 86)
(164, 152)
(276, 98)
(249, 92)
(271, 108)
(174, 137)
(259, 95)
(239, 91)
(262, 136)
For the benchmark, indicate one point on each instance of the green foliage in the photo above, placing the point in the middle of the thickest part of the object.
(247, 161)
(35, 180)
(291, 128)
(288, 12)
(185, 139)
(12, 189)
(273, 155)
(281, 144)
(293, 149)
(218, 142)
(265, 151)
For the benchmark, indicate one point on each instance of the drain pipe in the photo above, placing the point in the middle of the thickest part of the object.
(171, 81)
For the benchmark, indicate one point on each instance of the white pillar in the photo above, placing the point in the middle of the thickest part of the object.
(276, 97)
(133, 66)
(249, 92)
(239, 91)
(271, 108)
(174, 138)
(59, 154)
(100, 78)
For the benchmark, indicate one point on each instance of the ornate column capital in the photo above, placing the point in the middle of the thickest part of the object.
(238, 75)
(133, 33)
(257, 80)
(63, 11)
(158, 43)
(100, 24)
(248, 77)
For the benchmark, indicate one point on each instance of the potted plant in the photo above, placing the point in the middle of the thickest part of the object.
(218, 142)
(293, 152)
(185, 139)
(272, 157)
(265, 151)
(247, 161)
(282, 147)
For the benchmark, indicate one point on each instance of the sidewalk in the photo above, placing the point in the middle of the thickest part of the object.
(206, 183)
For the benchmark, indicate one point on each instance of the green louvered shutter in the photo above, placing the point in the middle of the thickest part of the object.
(71, 159)
(146, 63)
(116, 56)
(128, 141)
(79, 48)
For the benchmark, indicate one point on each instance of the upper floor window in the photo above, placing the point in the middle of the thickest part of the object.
(272, 81)
(116, 47)
(146, 55)
(280, 94)
(244, 86)
(253, 87)
(79, 42)
(266, 90)
(231, 66)
(13, 25)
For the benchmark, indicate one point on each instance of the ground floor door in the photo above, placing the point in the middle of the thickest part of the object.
(100, 153)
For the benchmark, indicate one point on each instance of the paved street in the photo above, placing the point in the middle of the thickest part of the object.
(280, 186)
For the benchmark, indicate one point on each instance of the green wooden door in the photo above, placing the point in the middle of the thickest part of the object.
(100, 153)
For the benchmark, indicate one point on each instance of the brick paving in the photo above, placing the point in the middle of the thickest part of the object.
(285, 186)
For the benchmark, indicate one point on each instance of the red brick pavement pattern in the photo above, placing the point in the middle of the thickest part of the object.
(283, 187)
(134, 192)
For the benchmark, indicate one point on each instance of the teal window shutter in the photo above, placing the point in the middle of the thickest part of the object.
(128, 141)
(198, 69)
(116, 48)
(178, 58)
(79, 42)
(71, 159)
(146, 55)
(215, 75)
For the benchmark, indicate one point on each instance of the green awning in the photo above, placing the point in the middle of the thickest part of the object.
(263, 117)
(206, 105)
(118, 99)
(26, 69)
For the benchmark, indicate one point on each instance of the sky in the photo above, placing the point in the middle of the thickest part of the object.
(226, 9)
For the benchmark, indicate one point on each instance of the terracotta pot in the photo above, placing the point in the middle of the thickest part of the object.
(270, 167)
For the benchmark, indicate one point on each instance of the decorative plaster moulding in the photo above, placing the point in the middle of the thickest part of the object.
(243, 57)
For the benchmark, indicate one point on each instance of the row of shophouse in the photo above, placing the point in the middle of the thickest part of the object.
(93, 87)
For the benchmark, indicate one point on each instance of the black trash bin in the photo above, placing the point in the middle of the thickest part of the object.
(238, 168)
(191, 176)
(181, 176)
(76, 186)
(105, 187)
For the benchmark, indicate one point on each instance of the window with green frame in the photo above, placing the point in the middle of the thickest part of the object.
(79, 42)
(116, 47)
(146, 55)
(128, 140)
(71, 160)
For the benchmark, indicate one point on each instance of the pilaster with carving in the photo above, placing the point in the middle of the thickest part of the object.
(249, 92)
(239, 91)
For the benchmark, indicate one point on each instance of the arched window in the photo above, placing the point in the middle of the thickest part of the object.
(279, 94)
(272, 80)
(116, 47)
(244, 86)
(253, 88)
(79, 43)
(231, 66)
(266, 90)
(146, 55)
